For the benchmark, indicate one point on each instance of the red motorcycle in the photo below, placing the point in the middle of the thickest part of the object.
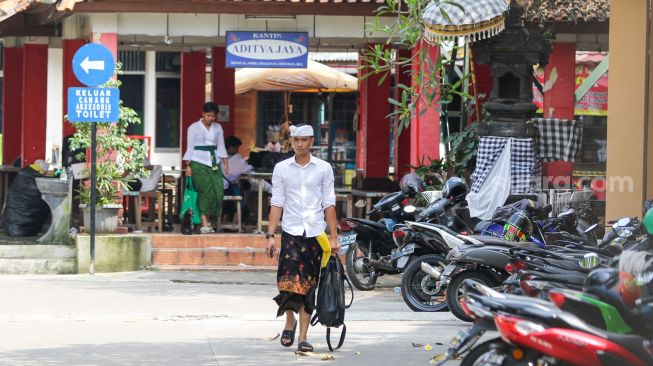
(560, 345)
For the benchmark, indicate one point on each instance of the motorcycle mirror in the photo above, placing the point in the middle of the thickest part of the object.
(410, 209)
(591, 228)
(566, 212)
(622, 222)
(590, 260)
(624, 233)
(360, 203)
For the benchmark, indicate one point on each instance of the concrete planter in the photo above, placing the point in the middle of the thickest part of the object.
(106, 218)
(114, 253)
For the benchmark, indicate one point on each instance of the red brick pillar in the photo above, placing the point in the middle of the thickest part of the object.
(223, 81)
(12, 104)
(402, 138)
(483, 85)
(559, 102)
(373, 138)
(70, 46)
(425, 124)
(35, 91)
(193, 76)
(108, 40)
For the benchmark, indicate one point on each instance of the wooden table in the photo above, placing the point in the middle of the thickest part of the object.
(344, 195)
(259, 213)
(368, 196)
(172, 208)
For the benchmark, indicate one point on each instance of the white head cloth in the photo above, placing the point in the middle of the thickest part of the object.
(301, 131)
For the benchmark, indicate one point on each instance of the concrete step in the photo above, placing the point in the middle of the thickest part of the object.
(210, 240)
(238, 268)
(212, 256)
(37, 266)
(38, 251)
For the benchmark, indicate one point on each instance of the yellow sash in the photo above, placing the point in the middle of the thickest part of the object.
(323, 240)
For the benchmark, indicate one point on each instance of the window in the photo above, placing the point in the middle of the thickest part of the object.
(167, 112)
(132, 91)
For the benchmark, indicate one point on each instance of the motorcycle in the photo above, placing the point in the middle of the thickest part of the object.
(487, 306)
(365, 242)
(487, 260)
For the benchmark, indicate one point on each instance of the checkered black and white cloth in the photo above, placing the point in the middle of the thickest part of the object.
(476, 12)
(525, 166)
(559, 139)
(489, 149)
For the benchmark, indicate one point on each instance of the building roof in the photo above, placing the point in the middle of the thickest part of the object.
(563, 11)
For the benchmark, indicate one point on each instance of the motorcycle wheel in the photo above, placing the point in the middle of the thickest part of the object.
(416, 286)
(454, 292)
(485, 354)
(361, 276)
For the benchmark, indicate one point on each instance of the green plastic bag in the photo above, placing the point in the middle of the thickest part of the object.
(190, 202)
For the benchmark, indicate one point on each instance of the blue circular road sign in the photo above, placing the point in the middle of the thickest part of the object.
(93, 64)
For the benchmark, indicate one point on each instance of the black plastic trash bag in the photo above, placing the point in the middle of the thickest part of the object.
(25, 212)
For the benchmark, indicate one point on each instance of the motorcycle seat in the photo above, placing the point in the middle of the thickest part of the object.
(633, 343)
(490, 240)
(374, 224)
(568, 278)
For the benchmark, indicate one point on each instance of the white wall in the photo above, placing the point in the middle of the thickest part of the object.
(55, 109)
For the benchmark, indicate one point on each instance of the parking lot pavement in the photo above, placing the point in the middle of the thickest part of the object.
(197, 318)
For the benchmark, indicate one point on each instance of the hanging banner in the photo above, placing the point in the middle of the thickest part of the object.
(594, 103)
(288, 50)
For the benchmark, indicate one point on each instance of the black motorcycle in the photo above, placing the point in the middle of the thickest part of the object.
(365, 242)
(426, 244)
(424, 255)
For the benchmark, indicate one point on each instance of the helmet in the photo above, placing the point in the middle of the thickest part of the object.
(518, 227)
(648, 221)
(411, 184)
(612, 279)
(455, 189)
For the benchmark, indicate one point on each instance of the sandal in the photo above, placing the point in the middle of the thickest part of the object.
(288, 336)
(206, 230)
(304, 347)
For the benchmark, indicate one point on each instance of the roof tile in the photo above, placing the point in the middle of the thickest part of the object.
(568, 10)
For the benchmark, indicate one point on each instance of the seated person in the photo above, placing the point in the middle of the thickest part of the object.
(148, 183)
(237, 167)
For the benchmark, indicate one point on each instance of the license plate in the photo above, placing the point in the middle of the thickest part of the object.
(407, 250)
(346, 239)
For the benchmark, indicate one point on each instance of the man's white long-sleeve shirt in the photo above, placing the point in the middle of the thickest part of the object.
(303, 193)
(198, 135)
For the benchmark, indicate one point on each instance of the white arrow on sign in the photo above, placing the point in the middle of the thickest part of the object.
(91, 65)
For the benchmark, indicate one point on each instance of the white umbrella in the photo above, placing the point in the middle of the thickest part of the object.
(315, 78)
(472, 19)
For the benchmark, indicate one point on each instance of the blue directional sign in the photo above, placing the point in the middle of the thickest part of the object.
(93, 104)
(93, 64)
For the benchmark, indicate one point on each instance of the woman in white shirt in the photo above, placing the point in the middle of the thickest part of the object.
(206, 161)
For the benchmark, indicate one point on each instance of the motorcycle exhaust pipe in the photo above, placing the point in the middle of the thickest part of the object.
(428, 269)
(379, 265)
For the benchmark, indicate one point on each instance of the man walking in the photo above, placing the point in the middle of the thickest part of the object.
(302, 188)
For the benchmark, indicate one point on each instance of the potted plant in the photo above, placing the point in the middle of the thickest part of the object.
(119, 159)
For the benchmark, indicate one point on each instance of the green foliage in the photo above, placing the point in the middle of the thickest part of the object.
(433, 173)
(117, 155)
(463, 150)
(429, 85)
